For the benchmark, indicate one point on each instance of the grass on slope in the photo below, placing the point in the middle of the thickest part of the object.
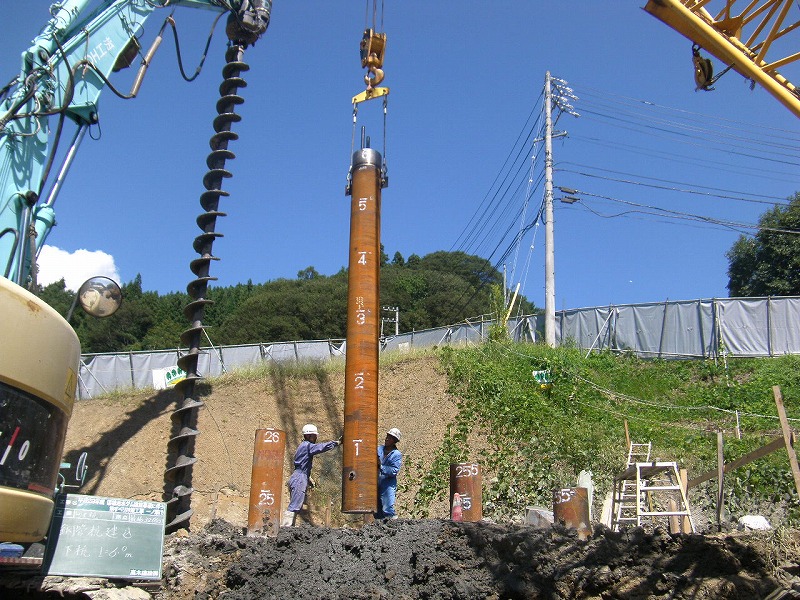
(534, 440)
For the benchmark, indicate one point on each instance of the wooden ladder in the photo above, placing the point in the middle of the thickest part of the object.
(649, 491)
(625, 502)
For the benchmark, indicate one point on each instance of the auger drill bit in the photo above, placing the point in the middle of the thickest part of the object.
(244, 27)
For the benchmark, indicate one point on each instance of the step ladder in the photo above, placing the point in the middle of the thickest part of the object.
(625, 503)
(649, 493)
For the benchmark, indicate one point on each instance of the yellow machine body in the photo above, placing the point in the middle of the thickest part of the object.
(39, 360)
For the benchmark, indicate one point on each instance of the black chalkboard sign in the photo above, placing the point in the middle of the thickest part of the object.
(96, 536)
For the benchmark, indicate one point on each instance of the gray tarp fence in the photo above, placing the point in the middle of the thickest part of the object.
(707, 328)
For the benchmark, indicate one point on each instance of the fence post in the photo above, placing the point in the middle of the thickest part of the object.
(787, 436)
(720, 477)
(769, 325)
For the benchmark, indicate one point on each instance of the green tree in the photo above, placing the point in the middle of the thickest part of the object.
(307, 273)
(769, 263)
(57, 296)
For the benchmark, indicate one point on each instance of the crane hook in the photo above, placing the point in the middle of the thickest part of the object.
(372, 48)
(703, 70)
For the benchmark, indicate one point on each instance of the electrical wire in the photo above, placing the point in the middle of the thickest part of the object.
(475, 222)
(684, 215)
(772, 202)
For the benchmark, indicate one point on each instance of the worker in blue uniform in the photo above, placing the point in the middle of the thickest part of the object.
(389, 462)
(301, 478)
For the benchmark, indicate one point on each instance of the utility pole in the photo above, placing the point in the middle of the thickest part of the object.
(549, 252)
(560, 99)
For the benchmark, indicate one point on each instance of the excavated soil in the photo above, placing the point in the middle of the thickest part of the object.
(330, 555)
(427, 558)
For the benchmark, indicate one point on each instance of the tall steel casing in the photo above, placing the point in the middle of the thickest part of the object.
(39, 360)
(360, 443)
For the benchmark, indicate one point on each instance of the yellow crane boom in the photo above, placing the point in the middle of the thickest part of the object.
(741, 40)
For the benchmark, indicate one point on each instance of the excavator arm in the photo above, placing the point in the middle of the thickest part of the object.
(62, 75)
(751, 41)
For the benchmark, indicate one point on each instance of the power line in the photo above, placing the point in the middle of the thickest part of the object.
(774, 199)
(682, 215)
(721, 122)
(771, 175)
(486, 201)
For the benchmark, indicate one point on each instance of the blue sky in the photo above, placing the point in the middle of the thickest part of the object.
(464, 77)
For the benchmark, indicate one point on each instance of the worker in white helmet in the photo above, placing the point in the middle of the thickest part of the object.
(300, 479)
(389, 462)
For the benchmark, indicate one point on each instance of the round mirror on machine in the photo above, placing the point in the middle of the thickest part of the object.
(100, 296)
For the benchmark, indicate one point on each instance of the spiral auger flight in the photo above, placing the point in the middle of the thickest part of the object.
(244, 28)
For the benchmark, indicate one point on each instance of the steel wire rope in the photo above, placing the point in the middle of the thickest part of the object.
(742, 228)
(701, 131)
(531, 248)
(776, 131)
(502, 168)
(496, 264)
(486, 229)
(719, 166)
(684, 215)
(677, 137)
(535, 226)
(663, 219)
(528, 192)
(776, 199)
(486, 217)
(501, 213)
(713, 133)
(516, 238)
(500, 172)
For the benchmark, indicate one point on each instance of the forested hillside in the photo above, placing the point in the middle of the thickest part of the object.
(440, 288)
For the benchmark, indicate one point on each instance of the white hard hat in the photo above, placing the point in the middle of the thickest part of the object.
(395, 433)
(310, 428)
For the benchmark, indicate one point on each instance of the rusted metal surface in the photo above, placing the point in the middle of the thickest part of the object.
(465, 487)
(359, 471)
(571, 509)
(266, 483)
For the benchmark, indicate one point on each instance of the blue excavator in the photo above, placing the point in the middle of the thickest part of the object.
(71, 62)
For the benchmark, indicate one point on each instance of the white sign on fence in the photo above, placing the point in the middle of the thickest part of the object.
(164, 378)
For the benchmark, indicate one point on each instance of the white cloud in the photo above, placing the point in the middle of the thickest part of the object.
(75, 267)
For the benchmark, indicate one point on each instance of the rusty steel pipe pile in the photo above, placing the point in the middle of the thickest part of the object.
(359, 464)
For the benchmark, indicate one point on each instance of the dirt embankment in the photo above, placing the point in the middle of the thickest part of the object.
(126, 437)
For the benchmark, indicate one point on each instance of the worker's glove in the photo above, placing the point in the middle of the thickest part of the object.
(340, 440)
(311, 483)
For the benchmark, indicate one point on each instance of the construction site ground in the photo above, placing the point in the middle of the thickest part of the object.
(329, 555)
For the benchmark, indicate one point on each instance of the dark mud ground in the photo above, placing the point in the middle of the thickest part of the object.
(440, 559)
(410, 559)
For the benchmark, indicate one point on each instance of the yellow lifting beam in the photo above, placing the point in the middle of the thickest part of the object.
(722, 36)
